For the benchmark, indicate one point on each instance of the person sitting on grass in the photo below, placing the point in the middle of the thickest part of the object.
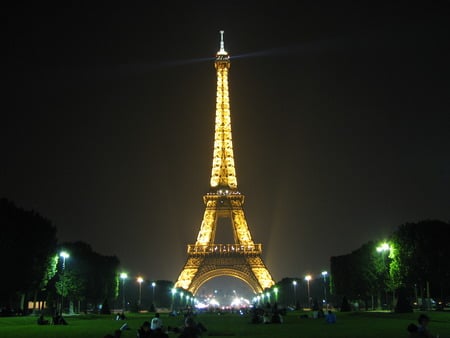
(121, 316)
(424, 320)
(144, 331)
(42, 321)
(190, 329)
(413, 330)
(330, 317)
(117, 334)
(156, 323)
(59, 320)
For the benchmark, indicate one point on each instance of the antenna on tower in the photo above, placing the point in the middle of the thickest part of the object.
(222, 45)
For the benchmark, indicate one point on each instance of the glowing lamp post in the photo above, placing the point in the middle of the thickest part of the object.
(123, 276)
(324, 275)
(294, 284)
(382, 249)
(275, 291)
(153, 292)
(181, 298)
(64, 255)
(174, 291)
(307, 279)
(268, 296)
(140, 280)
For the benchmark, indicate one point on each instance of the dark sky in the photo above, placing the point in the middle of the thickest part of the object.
(340, 118)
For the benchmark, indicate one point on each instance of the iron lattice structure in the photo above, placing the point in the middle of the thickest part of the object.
(207, 259)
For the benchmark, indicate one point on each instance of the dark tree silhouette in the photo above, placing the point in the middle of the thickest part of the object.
(96, 274)
(27, 246)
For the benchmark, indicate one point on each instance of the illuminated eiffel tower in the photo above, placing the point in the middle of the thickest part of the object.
(206, 258)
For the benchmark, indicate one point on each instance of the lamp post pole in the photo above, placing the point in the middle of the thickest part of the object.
(294, 283)
(174, 291)
(308, 278)
(64, 255)
(383, 248)
(324, 274)
(140, 280)
(123, 276)
(153, 292)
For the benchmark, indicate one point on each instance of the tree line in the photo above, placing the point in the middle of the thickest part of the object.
(409, 268)
(34, 272)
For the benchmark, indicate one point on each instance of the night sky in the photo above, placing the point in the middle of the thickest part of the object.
(340, 117)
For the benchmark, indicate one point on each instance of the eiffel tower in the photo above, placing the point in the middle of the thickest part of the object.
(206, 258)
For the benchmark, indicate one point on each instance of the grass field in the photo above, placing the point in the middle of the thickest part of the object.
(358, 324)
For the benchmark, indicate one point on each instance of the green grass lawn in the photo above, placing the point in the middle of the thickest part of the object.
(360, 324)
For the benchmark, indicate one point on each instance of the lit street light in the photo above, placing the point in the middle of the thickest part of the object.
(307, 279)
(268, 296)
(181, 299)
(140, 280)
(64, 255)
(123, 276)
(153, 293)
(174, 291)
(382, 249)
(275, 291)
(294, 283)
(324, 275)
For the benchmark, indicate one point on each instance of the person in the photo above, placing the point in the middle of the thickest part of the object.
(320, 314)
(144, 331)
(121, 316)
(156, 322)
(117, 334)
(42, 321)
(190, 329)
(424, 320)
(413, 330)
(330, 317)
(59, 320)
(159, 333)
(277, 318)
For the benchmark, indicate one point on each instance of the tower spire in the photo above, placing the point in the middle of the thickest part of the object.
(222, 45)
(223, 173)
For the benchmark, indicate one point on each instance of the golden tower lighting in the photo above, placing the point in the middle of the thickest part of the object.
(208, 259)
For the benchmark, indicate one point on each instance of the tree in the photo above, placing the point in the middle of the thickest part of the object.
(355, 275)
(27, 244)
(93, 276)
(421, 257)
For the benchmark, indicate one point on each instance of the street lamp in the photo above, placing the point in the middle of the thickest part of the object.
(275, 291)
(382, 249)
(181, 299)
(140, 280)
(123, 276)
(174, 291)
(64, 255)
(153, 292)
(294, 283)
(307, 279)
(268, 296)
(324, 275)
